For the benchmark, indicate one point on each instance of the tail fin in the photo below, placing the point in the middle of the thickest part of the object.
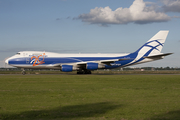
(151, 49)
(154, 45)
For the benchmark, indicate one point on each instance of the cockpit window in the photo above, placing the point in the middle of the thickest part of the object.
(17, 53)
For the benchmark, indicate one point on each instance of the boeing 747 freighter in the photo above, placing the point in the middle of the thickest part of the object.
(85, 63)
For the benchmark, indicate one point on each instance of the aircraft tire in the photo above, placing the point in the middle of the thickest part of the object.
(87, 72)
(84, 72)
(80, 72)
(23, 72)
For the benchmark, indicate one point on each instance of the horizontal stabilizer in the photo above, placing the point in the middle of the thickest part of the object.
(158, 56)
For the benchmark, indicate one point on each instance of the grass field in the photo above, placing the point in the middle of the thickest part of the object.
(90, 97)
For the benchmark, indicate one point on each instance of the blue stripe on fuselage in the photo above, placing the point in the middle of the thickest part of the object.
(66, 60)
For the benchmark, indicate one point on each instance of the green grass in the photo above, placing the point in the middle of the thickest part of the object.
(90, 97)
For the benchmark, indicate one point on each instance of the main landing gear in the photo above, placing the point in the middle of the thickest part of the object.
(84, 72)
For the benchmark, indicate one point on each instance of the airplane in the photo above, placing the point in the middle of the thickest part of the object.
(85, 63)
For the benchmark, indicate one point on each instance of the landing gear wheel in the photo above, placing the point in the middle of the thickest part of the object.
(80, 72)
(87, 72)
(23, 72)
(84, 72)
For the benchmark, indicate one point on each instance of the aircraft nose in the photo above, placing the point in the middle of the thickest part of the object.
(7, 61)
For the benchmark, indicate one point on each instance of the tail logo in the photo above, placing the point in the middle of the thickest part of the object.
(151, 44)
(154, 47)
(146, 50)
(36, 61)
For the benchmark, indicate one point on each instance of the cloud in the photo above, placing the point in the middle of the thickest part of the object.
(175, 16)
(139, 12)
(171, 5)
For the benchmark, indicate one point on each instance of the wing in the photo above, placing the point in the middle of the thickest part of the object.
(84, 65)
(107, 62)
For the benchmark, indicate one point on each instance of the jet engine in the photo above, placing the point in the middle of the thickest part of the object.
(94, 66)
(67, 68)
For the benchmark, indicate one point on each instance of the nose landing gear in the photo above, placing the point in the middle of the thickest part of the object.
(23, 71)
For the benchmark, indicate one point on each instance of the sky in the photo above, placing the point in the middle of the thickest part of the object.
(88, 26)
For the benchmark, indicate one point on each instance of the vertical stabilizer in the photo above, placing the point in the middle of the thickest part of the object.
(157, 41)
(155, 44)
(151, 49)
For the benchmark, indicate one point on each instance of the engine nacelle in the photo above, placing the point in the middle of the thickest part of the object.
(92, 66)
(67, 68)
